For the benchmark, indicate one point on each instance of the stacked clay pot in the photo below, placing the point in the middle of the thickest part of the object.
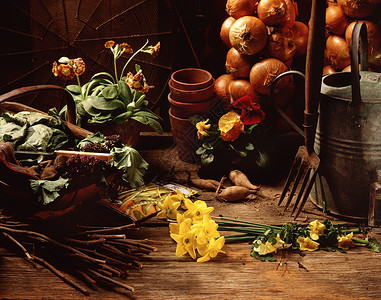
(191, 92)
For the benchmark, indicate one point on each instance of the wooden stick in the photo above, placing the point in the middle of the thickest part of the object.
(61, 275)
(109, 229)
(97, 274)
(18, 244)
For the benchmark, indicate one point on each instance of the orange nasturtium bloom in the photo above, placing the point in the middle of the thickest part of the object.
(230, 126)
(201, 129)
(64, 71)
(126, 48)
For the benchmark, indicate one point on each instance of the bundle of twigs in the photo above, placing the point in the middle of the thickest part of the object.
(95, 255)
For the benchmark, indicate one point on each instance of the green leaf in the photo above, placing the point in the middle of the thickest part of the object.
(133, 164)
(124, 92)
(47, 191)
(374, 245)
(270, 258)
(119, 119)
(89, 108)
(137, 68)
(200, 150)
(103, 74)
(103, 104)
(110, 92)
(75, 89)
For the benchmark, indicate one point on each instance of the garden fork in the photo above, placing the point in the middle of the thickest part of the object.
(304, 168)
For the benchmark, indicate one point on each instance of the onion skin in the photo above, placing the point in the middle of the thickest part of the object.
(241, 87)
(375, 60)
(263, 73)
(300, 32)
(221, 86)
(224, 32)
(290, 16)
(248, 35)
(238, 65)
(358, 9)
(281, 45)
(272, 12)
(337, 52)
(328, 70)
(373, 33)
(241, 8)
(335, 20)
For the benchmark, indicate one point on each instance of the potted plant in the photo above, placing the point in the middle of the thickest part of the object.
(111, 103)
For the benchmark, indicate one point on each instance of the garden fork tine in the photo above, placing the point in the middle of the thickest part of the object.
(306, 160)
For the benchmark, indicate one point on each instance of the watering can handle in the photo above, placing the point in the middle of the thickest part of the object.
(359, 34)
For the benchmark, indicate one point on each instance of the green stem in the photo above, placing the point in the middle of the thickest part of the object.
(364, 242)
(115, 69)
(132, 56)
(355, 230)
(240, 239)
(242, 229)
(79, 85)
(246, 222)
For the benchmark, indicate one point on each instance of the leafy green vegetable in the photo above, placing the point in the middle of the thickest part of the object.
(47, 191)
(133, 164)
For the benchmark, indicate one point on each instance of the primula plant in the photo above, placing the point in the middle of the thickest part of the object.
(235, 131)
(194, 231)
(110, 98)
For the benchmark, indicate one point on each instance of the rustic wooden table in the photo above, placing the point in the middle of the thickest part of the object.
(234, 275)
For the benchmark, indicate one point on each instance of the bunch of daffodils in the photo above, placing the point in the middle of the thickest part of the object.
(194, 231)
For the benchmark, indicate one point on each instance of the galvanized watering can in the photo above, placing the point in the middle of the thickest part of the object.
(348, 137)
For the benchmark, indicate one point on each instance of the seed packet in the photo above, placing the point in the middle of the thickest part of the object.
(140, 203)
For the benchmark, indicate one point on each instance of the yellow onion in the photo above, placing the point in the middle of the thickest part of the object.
(248, 35)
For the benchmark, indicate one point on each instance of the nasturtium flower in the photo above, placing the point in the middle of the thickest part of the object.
(345, 242)
(268, 247)
(138, 82)
(230, 126)
(316, 228)
(251, 112)
(64, 71)
(168, 209)
(307, 244)
(202, 126)
(153, 50)
(186, 240)
(197, 210)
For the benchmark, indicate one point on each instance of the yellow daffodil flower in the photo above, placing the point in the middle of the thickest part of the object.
(197, 210)
(209, 230)
(316, 228)
(345, 242)
(179, 196)
(307, 244)
(168, 209)
(201, 129)
(214, 247)
(186, 240)
(175, 227)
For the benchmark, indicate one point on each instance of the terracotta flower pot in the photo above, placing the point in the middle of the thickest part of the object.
(129, 131)
(187, 109)
(191, 79)
(185, 136)
(196, 95)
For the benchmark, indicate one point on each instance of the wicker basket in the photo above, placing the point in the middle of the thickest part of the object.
(16, 190)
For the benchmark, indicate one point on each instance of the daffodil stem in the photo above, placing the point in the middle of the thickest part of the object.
(355, 230)
(239, 237)
(245, 222)
(364, 242)
(250, 230)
